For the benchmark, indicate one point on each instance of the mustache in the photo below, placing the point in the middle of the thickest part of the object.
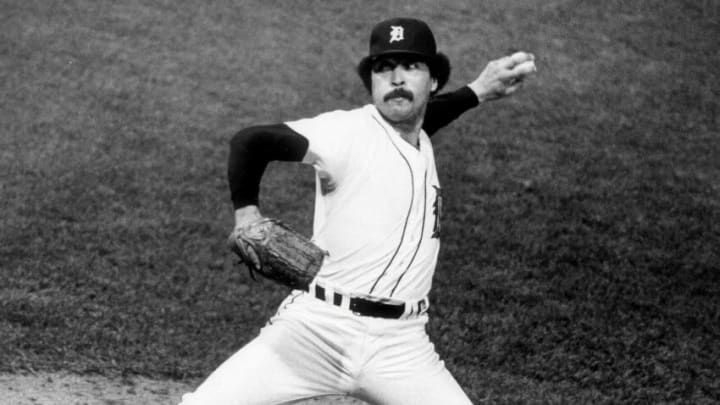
(400, 92)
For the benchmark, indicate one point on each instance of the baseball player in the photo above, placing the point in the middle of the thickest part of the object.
(359, 328)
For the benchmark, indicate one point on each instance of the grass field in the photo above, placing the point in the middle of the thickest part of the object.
(581, 256)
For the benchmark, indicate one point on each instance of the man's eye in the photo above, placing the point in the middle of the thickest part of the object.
(382, 67)
(412, 66)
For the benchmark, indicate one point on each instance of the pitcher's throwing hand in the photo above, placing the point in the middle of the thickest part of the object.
(503, 76)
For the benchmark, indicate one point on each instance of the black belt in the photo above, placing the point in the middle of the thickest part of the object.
(366, 307)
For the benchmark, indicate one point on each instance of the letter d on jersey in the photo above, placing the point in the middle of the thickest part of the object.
(437, 210)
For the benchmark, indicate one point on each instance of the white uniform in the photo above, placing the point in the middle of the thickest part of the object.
(377, 204)
(377, 214)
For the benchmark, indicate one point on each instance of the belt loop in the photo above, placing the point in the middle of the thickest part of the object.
(409, 310)
(311, 288)
(423, 305)
(415, 308)
(329, 294)
(345, 302)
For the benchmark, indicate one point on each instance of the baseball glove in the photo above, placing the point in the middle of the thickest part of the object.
(277, 252)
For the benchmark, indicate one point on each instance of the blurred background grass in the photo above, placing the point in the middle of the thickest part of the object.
(582, 217)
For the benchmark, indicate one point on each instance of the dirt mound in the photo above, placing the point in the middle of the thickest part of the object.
(72, 389)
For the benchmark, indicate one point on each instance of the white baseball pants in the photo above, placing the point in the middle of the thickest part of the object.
(311, 348)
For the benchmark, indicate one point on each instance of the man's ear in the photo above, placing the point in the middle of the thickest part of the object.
(434, 85)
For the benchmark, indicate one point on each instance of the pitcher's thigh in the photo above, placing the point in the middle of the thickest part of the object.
(271, 369)
(423, 388)
(406, 369)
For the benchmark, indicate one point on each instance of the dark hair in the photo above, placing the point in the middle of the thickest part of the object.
(439, 66)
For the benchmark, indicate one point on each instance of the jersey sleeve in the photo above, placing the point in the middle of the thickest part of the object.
(329, 136)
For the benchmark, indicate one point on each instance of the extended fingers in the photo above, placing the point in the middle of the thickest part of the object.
(521, 57)
(525, 68)
(503, 76)
(518, 71)
(248, 255)
(516, 58)
(252, 256)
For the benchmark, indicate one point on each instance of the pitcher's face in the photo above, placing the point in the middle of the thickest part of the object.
(401, 87)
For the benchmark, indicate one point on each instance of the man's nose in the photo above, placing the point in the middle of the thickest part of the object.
(397, 76)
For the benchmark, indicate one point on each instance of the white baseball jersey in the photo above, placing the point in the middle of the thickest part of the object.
(377, 206)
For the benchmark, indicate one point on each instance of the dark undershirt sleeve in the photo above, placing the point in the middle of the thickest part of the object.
(251, 150)
(445, 108)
